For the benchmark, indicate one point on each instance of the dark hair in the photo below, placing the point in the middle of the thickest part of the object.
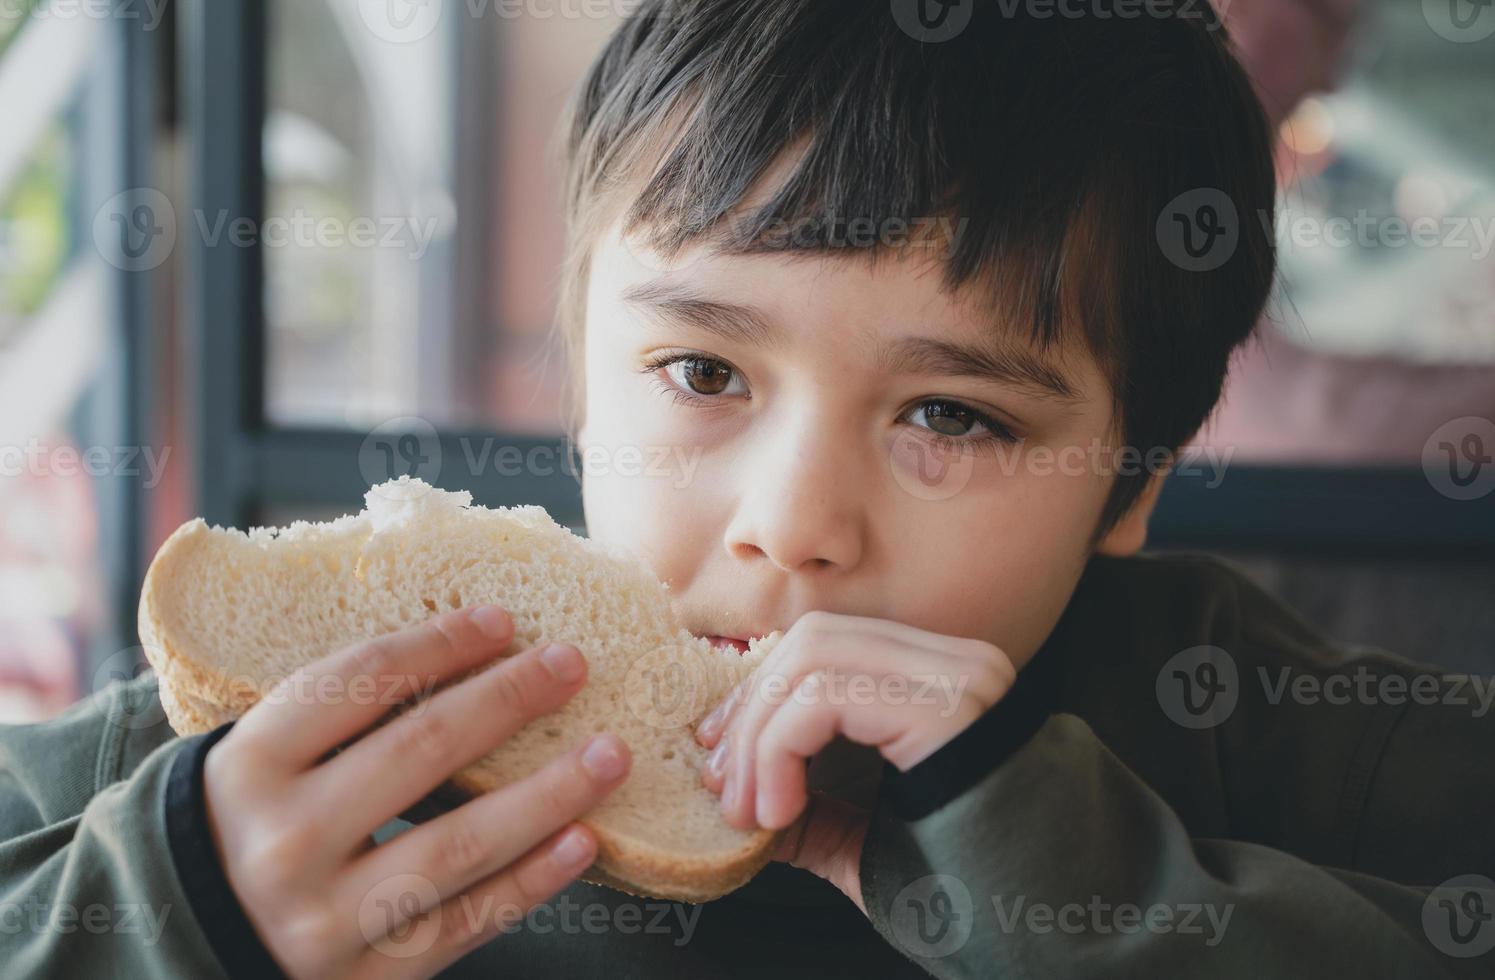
(1063, 142)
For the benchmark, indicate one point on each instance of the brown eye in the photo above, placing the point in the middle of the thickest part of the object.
(706, 377)
(950, 418)
(958, 422)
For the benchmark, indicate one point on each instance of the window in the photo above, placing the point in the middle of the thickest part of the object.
(1365, 417)
(70, 454)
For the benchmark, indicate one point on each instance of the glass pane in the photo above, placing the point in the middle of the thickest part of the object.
(366, 119)
(1381, 345)
(12, 19)
(34, 230)
(542, 59)
(55, 594)
(1373, 344)
(359, 218)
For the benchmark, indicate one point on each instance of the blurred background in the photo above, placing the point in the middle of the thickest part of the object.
(256, 255)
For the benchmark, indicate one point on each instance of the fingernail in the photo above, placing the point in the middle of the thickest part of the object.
(573, 848)
(729, 794)
(563, 662)
(602, 759)
(493, 621)
(717, 760)
(707, 729)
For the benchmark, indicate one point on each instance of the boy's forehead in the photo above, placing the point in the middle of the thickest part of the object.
(896, 280)
(867, 296)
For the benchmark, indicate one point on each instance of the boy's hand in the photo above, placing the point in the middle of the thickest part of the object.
(293, 826)
(904, 690)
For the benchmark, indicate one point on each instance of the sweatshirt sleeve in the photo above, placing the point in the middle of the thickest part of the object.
(1060, 861)
(88, 884)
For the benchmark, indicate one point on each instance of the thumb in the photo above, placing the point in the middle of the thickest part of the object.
(827, 840)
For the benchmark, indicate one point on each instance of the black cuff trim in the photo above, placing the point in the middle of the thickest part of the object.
(967, 758)
(238, 947)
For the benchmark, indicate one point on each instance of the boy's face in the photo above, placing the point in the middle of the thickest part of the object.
(793, 461)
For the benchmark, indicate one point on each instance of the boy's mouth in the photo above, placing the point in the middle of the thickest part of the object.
(728, 642)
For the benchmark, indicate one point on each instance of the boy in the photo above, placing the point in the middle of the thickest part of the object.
(922, 296)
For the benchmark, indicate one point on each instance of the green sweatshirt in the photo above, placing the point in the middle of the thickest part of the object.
(1187, 781)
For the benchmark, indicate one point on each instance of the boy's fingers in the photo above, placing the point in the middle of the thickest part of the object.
(334, 699)
(795, 733)
(486, 834)
(711, 728)
(391, 769)
(805, 678)
(743, 791)
(432, 938)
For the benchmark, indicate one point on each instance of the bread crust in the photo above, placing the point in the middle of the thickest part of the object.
(197, 699)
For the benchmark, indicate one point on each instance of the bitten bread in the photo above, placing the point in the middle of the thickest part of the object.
(225, 614)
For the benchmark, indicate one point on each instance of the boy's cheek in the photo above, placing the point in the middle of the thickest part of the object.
(652, 523)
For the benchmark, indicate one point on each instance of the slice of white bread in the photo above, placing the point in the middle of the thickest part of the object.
(224, 615)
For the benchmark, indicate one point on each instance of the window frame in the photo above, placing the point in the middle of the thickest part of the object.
(244, 466)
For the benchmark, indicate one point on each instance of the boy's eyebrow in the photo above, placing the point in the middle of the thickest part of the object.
(679, 304)
(1005, 364)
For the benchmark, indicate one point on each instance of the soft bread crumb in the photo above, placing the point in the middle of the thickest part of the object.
(225, 614)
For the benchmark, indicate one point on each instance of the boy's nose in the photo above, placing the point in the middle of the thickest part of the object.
(800, 505)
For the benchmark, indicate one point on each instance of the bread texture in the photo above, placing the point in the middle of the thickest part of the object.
(226, 614)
